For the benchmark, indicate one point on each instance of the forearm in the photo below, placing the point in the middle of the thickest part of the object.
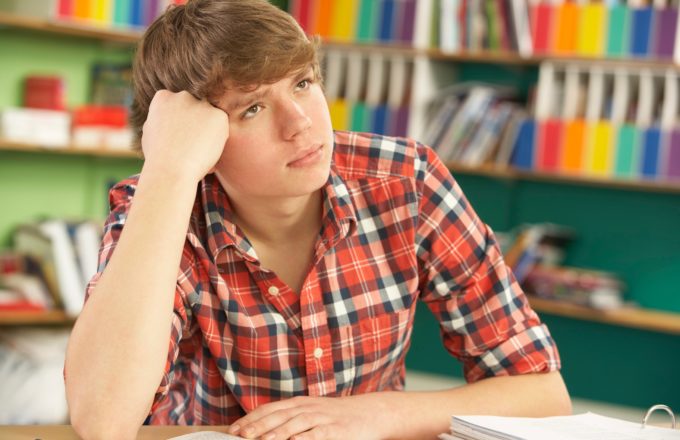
(422, 415)
(119, 344)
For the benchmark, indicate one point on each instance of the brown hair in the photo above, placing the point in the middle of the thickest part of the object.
(206, 45)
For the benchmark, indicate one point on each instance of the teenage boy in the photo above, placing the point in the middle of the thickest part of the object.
(263, 271)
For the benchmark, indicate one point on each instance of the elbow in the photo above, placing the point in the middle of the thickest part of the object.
(90, 426)
(561, 401)
(93, 420)
(562, 404)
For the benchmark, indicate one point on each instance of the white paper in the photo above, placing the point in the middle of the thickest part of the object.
(586, 426)
(207, 435)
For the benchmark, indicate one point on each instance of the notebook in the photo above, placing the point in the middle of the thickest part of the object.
(588, 426)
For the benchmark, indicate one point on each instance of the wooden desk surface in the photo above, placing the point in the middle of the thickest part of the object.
(65, 432)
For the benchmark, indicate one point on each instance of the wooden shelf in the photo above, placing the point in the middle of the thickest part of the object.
(132, 36)
(498, 57)
(644, 319)
(6, 145)
(63, 27)
(607, 182)
(52, 317)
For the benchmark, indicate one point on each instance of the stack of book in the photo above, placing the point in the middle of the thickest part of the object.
(61, 258)
(472, 123)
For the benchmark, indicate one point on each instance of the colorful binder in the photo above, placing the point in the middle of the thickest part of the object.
(665, 25)
(549, 144)
(673, 157)
(651, 146)
(523, 152)
(340, 117)
(386, 16)
(641, 29)
(360, 119)
(626, 161)
(567, 23)
(600, 152)
(573, 146)
(592, 29)
(344, 20)
(408, 19)
(542, 27)
(618, 39)
(368, 21)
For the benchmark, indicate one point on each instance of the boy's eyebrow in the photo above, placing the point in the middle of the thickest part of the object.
(260, 93)
(246, 99)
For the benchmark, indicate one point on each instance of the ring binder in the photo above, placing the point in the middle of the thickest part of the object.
(657, 407)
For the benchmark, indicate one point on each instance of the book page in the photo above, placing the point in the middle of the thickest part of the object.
(207, 435)
(586, 426)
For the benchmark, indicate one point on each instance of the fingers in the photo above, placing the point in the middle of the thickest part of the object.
(280, 420)
(287, 424)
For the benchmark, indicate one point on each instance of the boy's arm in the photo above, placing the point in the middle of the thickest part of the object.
(118, 348)
(405, 415)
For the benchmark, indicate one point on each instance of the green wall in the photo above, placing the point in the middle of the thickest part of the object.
(632, 233)
(36, 185)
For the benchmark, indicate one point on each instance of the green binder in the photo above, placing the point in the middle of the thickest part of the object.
(627, 151)
(121, 12)
(360, 117)
(367, 30)
(619, 31)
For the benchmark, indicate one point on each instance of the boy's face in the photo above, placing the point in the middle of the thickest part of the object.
(280, 139)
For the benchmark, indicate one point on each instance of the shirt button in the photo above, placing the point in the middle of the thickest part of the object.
(273, 290)
(318, 352)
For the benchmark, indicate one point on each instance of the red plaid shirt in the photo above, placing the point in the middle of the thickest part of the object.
(396, 228)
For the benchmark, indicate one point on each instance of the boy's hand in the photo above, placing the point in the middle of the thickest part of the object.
(182, 136)
(315, 418)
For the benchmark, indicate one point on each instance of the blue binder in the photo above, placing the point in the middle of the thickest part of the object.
(523, 151)
(651, 148)
(641, 31)
(387, 12)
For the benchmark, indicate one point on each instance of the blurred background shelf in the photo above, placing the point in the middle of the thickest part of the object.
(125, 36)
(653, 320)
(607, 182)
(6, 145)
(51, 318)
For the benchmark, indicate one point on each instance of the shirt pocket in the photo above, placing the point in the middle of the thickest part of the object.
(373, 351)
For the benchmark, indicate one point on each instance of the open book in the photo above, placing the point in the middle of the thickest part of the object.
(207, 435)
(586, 426)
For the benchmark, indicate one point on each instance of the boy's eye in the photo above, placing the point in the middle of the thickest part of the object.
(252, 110)
(304, 84)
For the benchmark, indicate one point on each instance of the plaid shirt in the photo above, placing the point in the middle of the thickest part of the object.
(396, 228)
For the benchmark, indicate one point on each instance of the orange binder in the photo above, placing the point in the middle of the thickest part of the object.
(567, 22)
(574, 146)
(323, 17)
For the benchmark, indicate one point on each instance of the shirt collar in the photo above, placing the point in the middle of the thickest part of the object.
(338, 217)
(221, 231)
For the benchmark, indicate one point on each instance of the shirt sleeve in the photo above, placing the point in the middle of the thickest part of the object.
(484, 316)
(120, 201)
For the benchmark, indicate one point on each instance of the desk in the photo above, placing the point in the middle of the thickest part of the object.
(65, 432)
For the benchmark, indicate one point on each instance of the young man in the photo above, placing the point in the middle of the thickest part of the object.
(265, 270)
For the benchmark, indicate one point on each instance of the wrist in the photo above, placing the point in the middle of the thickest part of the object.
(166, 174)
